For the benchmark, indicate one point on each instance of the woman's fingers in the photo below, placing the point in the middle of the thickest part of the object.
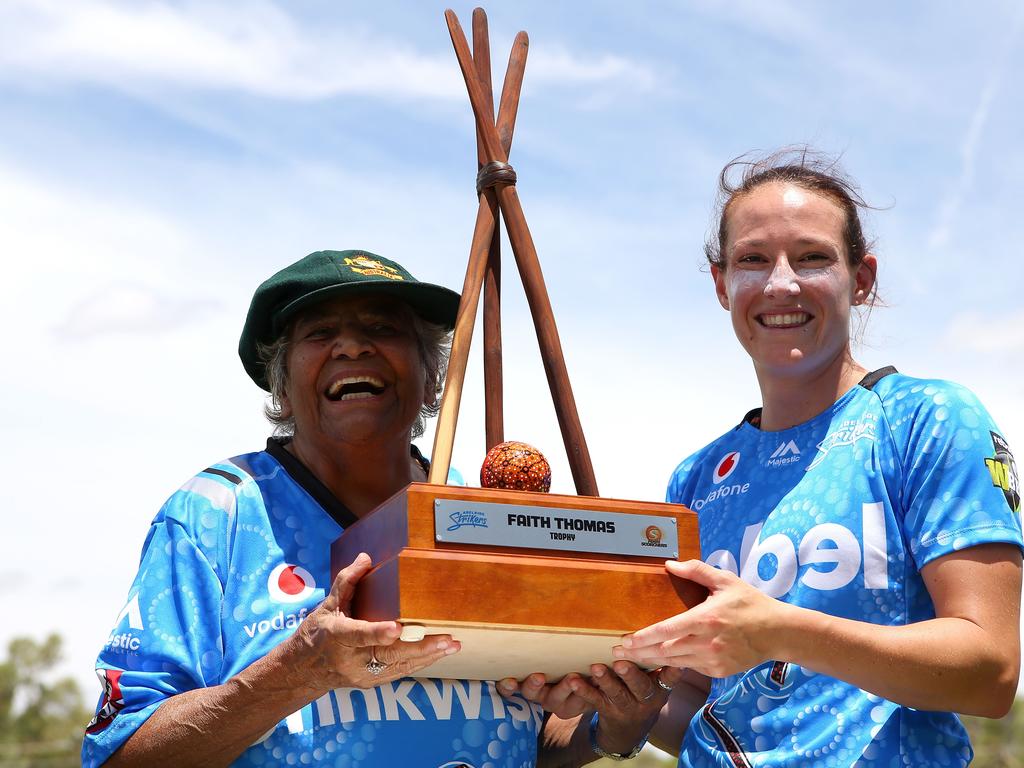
(508, 686)
(344, 585)
(640, 684)
(697, 570)
(673, 628)
(403, 659)
(356, 633)
(429, 646)
(560, 698)
(533, 687)
(563, 697)
(614, 688)
(668, 676)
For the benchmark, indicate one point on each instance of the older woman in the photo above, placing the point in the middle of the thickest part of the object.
(234, 645)
(865, 570)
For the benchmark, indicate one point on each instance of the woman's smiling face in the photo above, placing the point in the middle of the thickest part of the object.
(354, 372)
(787, 281)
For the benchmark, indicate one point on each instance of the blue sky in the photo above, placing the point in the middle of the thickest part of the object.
(159, 159)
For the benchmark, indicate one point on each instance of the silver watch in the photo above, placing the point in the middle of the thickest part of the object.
(611, 755)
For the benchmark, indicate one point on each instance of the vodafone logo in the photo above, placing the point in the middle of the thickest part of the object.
(726, 466)
(290, 583)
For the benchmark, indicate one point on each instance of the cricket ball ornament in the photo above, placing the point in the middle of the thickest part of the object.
(516, 466)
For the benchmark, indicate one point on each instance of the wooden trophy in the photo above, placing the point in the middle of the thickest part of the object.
(527, 582)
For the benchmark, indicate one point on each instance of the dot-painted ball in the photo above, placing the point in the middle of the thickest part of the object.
(516, 466)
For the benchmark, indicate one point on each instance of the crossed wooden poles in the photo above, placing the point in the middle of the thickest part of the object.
(496, 189)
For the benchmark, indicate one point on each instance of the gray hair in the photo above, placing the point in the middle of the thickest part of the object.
(432, 340)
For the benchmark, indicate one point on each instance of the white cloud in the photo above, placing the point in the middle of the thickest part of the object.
(555, 64)
(63, 241)
(987, 333)
(798, 28)
(130, 308)
(253, 47)
(949, 209)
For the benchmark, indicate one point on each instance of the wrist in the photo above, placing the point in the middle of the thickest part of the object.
(299, 665)
(615, 746)
(793, 626)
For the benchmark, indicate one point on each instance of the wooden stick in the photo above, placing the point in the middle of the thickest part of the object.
(533, 280)
(487, 132)
(482, 64)
(494, 422)
(550, 346)
(444, 437)
(483, 234)
(509, 105)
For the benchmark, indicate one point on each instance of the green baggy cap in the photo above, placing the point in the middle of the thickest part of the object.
(326, 274)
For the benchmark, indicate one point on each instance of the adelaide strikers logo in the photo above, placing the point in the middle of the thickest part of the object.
(725, 467)
(290, 583)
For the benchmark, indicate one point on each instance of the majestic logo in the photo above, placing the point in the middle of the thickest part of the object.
(1003, 469)
(131, 610)
(126, 642)
(786, 453)
(467, 518)
(290, 583)
(726, 466)
(848, 433)
(372, 268)
(112, 701)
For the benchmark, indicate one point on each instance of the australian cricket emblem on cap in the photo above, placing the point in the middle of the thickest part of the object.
(372, 268)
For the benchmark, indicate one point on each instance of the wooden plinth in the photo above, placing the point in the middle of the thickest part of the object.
(515, 610)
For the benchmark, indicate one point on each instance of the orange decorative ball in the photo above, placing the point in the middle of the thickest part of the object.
(516, 466)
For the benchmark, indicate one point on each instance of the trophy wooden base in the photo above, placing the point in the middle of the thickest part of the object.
(515, 609)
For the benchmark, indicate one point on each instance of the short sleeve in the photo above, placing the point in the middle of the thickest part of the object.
(960, 481)
(159, 646)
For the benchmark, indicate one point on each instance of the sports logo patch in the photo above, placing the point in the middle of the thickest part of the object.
(290, 583)
(850, 432)
(725, 467)
(112, 701)
(372, 268)
(1003, 470)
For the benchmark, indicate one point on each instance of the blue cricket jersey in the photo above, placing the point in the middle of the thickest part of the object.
(233, 562)
(839, 514)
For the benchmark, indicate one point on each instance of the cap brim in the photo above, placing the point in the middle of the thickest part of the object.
(433, 303)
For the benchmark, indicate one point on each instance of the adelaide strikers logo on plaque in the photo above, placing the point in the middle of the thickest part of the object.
(725, 467)
(290, 583)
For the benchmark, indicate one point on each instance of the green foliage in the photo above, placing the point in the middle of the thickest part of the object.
(42, 720)
(998, 743)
